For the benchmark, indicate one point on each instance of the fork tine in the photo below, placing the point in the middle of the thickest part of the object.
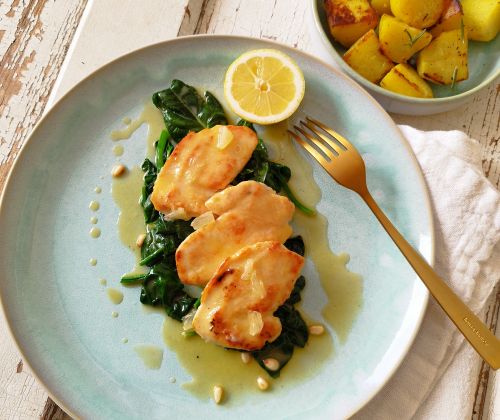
(328, 153)
(322, 138)
(318, 156)
(342, 140)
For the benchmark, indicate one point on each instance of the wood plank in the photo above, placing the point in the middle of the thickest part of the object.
(34, 39)
(34, 43)
(278, 20)
(20, 394)
(106, 28)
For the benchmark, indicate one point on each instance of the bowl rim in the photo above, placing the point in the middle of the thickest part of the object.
(381, 91)
(419, 290)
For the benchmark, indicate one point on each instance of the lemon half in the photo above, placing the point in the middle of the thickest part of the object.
(264, 86)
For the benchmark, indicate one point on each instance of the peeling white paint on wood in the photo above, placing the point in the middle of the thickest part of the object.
(34, 38)
(114, 27)
(34, 43)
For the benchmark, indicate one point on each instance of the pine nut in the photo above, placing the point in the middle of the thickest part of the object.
(271, 364)
(218, 393)
(140, 240)
(245, 357)
(118, 170)
(316, 329)
(262, 383)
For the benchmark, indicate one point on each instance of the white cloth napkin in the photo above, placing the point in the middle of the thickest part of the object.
(437, 378)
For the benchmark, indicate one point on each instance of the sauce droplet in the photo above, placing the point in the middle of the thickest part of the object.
(95, 232)
(118, 150)
(154, 119)
(114, 314)
(93, 220)
(94, 205)
(98, 190)
(151, 356)
(103, 282)
(124, 340)
(92, 261)
(115, 295)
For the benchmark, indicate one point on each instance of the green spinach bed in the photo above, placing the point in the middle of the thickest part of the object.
(185, 110)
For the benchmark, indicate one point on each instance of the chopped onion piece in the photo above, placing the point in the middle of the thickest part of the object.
(247, 271)
(224, 137)
(202, 220)
(256, 285)
(258, 289)
(176, 214)
(187, 320)
(255, 323)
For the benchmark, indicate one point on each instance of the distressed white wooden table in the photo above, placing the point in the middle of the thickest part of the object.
(46, 46)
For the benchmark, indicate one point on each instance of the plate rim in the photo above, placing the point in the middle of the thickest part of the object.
(430, 258)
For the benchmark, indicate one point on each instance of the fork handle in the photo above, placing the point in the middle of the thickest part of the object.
(474, 330)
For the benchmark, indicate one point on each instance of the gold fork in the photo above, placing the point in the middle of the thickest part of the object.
(345, 165)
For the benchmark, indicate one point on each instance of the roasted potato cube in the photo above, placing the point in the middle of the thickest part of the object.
(405, 80)
(444, 60)
(481, 18)
(367, 59)
(349, 20)
(382, 7)
(400, 41)
(419, 14)
(450, 19)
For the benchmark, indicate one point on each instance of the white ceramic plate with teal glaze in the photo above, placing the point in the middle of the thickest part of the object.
(483, 62)
(59, 314)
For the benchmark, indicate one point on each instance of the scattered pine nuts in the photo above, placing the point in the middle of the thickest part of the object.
(271, 364)
(218, 393)
(118, 170)
(316, 329)
(245, 357)
(140, 240)
(262, 383)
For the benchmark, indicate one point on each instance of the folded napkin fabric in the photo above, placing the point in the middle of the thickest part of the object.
(437, 377)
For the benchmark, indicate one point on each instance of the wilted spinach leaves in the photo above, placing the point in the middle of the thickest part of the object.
(184, 110)
(161, 285)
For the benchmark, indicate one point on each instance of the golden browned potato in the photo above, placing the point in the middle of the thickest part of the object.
(400, 41)
(382, 7)
(481, 18)
(350, 19)
(418, 13)
(444, 60)
(238, 304)
(450, 19)
(367, 59)
(405, 80)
